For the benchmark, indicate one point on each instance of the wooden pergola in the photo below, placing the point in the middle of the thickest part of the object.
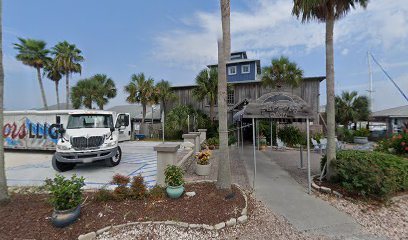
(277, 107)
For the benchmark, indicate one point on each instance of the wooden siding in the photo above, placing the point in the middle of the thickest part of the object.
(308, 91)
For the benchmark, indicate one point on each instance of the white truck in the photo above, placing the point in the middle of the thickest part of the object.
(78, 136)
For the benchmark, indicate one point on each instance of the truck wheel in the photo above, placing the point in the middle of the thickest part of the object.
(115, 160)
(60, 166)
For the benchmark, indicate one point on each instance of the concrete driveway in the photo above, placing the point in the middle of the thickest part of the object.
(32, 168)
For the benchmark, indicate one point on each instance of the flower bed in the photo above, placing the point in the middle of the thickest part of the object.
(27, 215)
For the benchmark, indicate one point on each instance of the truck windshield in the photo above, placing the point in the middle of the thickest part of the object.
(89, 121)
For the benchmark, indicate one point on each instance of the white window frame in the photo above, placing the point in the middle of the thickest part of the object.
(249, 68)
(230, 72)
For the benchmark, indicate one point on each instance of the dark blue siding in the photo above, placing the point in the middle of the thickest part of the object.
(242, 76)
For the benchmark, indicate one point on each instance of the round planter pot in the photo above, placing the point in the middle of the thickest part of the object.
(175, 192)
(262, 147)
(212, 147)
(203, 170)
(361, 140)
(63, 218)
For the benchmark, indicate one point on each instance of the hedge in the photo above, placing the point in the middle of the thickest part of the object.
(370, 174)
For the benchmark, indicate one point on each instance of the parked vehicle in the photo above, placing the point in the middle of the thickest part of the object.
(90, 136)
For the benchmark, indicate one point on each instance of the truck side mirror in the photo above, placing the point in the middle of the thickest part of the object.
(58, 120)
(112, 129)
(61, 129)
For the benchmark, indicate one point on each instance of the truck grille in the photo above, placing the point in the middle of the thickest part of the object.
(83, 142)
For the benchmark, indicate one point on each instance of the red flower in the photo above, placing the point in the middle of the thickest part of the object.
(393, 138)
(402, 143)
(406, 148)
(399, 136)
(406, 130)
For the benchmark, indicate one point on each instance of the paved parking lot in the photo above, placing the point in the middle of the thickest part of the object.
(32, 168)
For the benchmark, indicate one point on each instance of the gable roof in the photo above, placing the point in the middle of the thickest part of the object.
(401, 111)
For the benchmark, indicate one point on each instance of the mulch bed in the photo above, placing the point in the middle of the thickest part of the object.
(28, 216)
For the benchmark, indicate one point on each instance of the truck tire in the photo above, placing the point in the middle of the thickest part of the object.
(115, 160)
(60, 166)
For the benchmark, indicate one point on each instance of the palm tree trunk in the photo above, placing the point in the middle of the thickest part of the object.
(331, 144)
(226, 41)
(42, 88)
(3, 181)
(57, 92)
(143, 112)
(67, 90)
(224, 170)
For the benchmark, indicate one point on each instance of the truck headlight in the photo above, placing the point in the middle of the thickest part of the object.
(63, 147)
(110, 144)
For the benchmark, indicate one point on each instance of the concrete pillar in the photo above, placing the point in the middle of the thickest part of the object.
(191, 137)
(166, 155)
(198, 142)
(203, 135)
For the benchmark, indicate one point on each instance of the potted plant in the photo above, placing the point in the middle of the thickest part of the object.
(361, 136)
(203, 165)
(262, 143)
(212, 142)
(66, 198)
(174, 181)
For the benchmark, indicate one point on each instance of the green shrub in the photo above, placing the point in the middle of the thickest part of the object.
(232, 139)
(362, 132)
(138, 189)
(265, 129)
(292, 136)
(65, 193)
(344, 134)
(157, 193)
(174, 176)
(213, 141)
(371, 174)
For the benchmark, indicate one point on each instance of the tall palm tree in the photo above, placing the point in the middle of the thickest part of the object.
(96, 89)
(327, 11)
(282, 72)
(68, 58)
(350, 108)
(54, 74)
(207, 88)
(3, 181)
(164, 93)
(140, 90)
(224, 53)
(33, 53)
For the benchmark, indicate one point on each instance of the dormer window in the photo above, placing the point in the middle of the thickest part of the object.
(245, 68)
(232, 70)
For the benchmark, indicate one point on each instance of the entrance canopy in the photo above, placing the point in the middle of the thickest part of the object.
(276, 105)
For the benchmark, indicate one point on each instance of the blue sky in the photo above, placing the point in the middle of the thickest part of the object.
(173, 40)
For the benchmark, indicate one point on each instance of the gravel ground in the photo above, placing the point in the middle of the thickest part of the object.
(262, 224)
(390, 220)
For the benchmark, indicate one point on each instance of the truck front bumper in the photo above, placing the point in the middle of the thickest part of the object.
(85, 157)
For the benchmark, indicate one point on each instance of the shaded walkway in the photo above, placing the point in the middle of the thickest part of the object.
(284, 196)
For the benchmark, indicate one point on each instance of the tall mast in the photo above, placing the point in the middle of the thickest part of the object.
(370, 81)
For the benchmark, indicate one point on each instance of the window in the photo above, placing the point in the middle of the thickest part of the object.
(230, 97)
(89, 121)
(232, 70)
(245, 68)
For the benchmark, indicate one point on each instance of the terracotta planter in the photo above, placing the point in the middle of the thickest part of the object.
(262, 147)
(203, 170)
(211, 147)
(63, 218)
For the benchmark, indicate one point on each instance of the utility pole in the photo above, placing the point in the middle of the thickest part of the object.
(370, 81)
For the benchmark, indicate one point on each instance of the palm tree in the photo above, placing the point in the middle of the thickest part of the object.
(327, 11)
(350, 108)
(140, 90)
(282, 72)
(106, 89)
(99, 89)
(164, 93)
(207, 88)
(54, 74)
(3, 181)
(33, 53)
(68, 58)
(224, 53)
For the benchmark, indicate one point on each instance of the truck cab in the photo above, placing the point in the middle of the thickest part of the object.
(90, 136)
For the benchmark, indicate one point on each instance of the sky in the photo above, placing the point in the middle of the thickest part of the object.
(174, 40)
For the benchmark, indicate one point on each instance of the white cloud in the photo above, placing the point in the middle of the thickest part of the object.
(345, 51)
